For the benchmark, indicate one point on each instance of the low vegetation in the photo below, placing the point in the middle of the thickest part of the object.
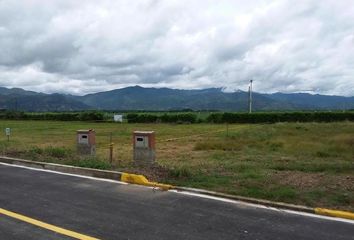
(260, 117)
(185, 117)
(302, 163)
(56, 116)
(274, 117)
(165, 118)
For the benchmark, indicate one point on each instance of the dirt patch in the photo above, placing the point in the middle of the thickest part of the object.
(14, 153)
(304, 181)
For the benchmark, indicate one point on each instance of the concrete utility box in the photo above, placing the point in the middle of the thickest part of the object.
(144, 147)
(86, 142)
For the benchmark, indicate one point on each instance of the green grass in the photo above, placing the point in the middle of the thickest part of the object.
(90, 162)
(301, 163)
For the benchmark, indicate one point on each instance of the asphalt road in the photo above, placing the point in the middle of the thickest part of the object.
(109, 210)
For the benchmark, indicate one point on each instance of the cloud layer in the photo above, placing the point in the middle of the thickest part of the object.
(81, 47)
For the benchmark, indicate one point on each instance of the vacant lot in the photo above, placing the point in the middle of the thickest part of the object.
(301, 163)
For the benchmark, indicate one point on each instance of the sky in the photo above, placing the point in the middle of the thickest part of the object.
(81, 47)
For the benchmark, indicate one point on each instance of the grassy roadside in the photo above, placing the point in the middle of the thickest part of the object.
(301, 163)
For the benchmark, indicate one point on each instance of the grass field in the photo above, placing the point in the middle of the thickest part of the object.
(302, 163)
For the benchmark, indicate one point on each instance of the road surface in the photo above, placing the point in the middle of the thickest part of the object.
(112, 210)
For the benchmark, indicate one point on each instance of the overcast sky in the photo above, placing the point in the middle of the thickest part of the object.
(81, 47)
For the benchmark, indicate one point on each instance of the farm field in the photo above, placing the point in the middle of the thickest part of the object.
(302, 163)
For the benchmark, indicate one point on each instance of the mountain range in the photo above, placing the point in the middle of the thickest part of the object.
(162, 99)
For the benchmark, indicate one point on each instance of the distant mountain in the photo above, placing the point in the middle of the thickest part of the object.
(21, 100)
(139, 98)
(16, 91)
(160, 99)
(310, 101)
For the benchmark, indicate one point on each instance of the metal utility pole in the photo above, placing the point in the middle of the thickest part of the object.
(250, 97)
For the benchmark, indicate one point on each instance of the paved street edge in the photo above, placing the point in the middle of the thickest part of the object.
(142, 180)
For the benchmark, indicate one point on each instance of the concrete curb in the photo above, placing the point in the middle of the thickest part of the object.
(279, 205)
(63, 168)
(113, 175)
(141, 180)
(249, 200)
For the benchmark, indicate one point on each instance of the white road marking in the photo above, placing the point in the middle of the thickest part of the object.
(239, 203)
(67, 174)
(245, 204)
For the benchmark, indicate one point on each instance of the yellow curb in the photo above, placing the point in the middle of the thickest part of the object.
(334, 213)
(141, 180)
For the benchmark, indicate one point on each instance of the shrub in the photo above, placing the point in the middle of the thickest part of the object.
(165, 118)
(181, 172)
(71, 116)
(91, 116)
(91, 162)
(132, 117)
(36, 150)
(57, 152)
(280, 117)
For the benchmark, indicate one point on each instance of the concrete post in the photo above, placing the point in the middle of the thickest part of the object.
(144, 147)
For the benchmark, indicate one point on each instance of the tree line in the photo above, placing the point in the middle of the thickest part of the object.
(188, 117)
(70, 116)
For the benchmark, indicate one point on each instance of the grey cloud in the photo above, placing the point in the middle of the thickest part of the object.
(82, 47)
